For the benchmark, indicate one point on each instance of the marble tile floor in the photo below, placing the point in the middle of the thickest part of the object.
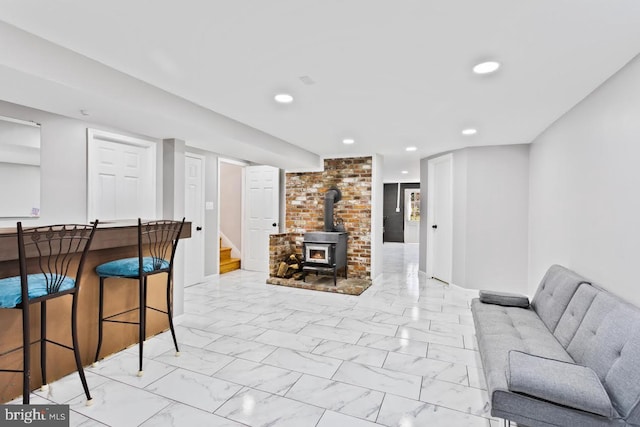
(401, 354)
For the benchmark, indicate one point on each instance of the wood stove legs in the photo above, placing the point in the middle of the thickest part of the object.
(334, 270)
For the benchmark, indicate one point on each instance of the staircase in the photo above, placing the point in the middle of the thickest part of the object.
(227, 263)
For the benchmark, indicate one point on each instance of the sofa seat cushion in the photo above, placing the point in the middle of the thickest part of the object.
(558, 382)
(502, 329)
(504, 298)
(530, 411)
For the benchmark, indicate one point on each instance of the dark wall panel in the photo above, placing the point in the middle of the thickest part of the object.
(394, 221)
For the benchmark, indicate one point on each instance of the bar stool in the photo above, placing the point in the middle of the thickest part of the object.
(50, 272)
(159, 240)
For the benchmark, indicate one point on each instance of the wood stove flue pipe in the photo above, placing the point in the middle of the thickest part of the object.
(330, 198)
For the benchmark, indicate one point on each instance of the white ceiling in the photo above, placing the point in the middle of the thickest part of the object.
(388, 73)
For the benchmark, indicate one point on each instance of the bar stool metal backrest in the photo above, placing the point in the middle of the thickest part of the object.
(157, 244)
(47, 258)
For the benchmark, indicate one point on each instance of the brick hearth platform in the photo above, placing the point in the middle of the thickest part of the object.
(350, 286)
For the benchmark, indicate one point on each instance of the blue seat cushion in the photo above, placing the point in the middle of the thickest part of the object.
(11, 291)
(128, 267)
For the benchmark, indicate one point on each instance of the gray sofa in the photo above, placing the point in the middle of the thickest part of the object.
(572, 358)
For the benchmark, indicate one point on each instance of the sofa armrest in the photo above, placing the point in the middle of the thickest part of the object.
(558, 382)
(504, 298)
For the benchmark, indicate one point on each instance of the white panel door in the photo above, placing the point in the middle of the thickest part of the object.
(440, 218)
(262, 210)
(194, 212)
(121, 177)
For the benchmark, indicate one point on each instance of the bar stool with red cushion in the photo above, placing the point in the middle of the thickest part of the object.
(46, 256)
(157, 243)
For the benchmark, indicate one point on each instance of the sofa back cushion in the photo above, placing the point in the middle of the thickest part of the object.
(585, 335)
(554, 293)
(574, 314)
(608, 341)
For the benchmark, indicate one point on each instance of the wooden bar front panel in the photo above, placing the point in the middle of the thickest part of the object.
(120, 294)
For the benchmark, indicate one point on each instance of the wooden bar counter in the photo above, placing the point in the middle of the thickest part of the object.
(113, 240)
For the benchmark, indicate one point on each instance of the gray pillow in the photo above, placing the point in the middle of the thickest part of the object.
(558, 382)
(504, 298)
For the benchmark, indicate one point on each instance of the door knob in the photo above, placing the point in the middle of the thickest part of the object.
(198, 228)
(275, 224)
(434, 226)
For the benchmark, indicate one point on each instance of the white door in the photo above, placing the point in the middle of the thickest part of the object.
(194, 212)
(121, 177)
(262, 197)
(439, 218)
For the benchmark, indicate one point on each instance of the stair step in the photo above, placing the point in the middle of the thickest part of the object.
(229, 265)
(225, 254)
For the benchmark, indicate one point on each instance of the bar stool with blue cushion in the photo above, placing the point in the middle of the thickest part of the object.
(47, 259)
(157, 243)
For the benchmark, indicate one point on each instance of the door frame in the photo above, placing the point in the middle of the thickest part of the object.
(96, 134)
(241, 164)
(430, 210)
(203, 181)
(406, 223)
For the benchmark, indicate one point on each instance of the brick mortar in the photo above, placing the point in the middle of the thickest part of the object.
(305, 208)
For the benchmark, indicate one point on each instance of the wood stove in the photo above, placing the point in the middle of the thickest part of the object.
(325, 252)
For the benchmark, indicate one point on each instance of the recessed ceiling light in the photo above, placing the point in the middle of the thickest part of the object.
(283, 98)
(412, 148)
(486, 67)
(469, 131)
(348, 141)
(405, 172)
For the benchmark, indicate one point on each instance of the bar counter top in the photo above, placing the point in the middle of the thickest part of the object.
(110, 234)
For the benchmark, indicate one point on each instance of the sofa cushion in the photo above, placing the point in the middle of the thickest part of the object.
(559, 382)
(533, 412)
(504, 298)
(574, 314)
(500, 329)
(554, 293)
(608, 341)
(584, 336)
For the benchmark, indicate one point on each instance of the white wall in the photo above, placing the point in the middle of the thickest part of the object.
(231, 202)
(585, 186)
(174, 208)
(422, 245)
(377, 206)
(63, 154)
(497, 206)
(211, 234)
(459, 261)
(490, 211)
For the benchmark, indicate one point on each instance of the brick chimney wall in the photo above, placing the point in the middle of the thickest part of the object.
(305, 207)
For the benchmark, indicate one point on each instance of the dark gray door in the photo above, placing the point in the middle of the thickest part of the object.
(394, 221)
